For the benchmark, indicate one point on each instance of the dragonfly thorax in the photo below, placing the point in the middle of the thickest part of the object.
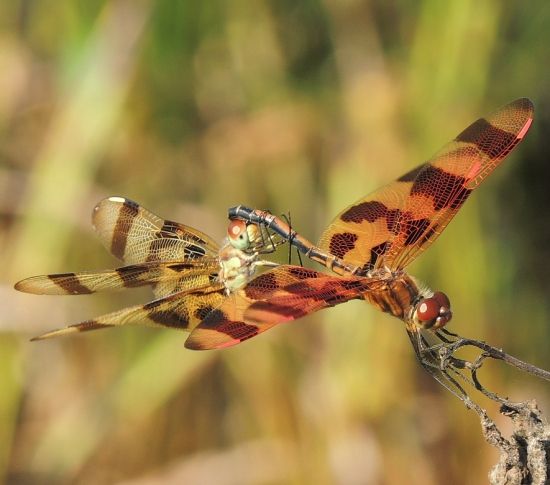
(236, 267)
(239, 256)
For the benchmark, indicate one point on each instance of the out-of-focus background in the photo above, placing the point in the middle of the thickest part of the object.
(192, 107)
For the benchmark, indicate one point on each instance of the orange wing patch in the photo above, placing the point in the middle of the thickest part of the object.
(391, 226)
(362, 233)
(276, 296)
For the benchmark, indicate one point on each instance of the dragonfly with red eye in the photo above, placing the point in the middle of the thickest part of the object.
(212, 291)
(370, 243)
(190, 275)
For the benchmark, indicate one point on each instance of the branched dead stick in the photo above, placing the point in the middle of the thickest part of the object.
(497, 354)
(525, 456)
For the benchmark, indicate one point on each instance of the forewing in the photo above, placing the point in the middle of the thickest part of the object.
(280, 295)
(362, 233)
(135, 235)
(165, 278)
(394, 224)
(445, 182)
(181, 311)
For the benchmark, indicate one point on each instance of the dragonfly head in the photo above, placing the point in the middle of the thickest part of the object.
(433, 311)
(241, 235)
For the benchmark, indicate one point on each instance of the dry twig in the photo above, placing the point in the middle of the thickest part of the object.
(525, 455)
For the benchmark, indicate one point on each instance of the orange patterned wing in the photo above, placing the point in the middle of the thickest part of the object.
(181, 311)
(391, 226)
(280, 295)
(135, 235)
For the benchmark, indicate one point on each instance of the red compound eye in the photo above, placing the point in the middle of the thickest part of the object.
(236, 228)
(443, 299)
(434, 312)
(428, 309)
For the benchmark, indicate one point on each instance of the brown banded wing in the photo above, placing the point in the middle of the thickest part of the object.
(166, 255)
(180, 263)
(277, 296)
(135, 235)
(391, 226)
(132, 276)
(182, 310)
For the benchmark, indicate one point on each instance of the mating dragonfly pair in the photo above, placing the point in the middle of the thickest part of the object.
(215, 292)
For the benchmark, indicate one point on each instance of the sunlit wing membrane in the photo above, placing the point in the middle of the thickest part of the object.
(280, 295)
(135, 235)
(361, 234)
(181, 311)
(165, 277)
(186, 282)
(391, 226)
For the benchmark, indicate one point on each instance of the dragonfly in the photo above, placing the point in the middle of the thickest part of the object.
(189, 273)
(370, 243)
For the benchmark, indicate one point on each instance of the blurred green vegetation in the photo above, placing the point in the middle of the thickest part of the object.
(190, 108)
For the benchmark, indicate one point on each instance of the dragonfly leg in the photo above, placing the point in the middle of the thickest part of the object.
(264, 262)
(429, 359)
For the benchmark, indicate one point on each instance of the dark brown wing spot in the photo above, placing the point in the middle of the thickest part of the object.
(90, 325)
(180, 267)
(132, 275)
(429, 233)
(353, 285)
(217, 320)
(128, 211)
(286, 311)
(169, 318)
(238, 330)
(303, 273)
(376, 252)
(170, 229)
(488, 138)
(341, 243)
(365, 211)
(261, 285)
(173, 230)
(177, 230)
(415, 229)
(194, 251)
(411, 175)
(302, 288)
(331, 292)
(446, 189)
(69, 283)
(203, 311)
(460, 198)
